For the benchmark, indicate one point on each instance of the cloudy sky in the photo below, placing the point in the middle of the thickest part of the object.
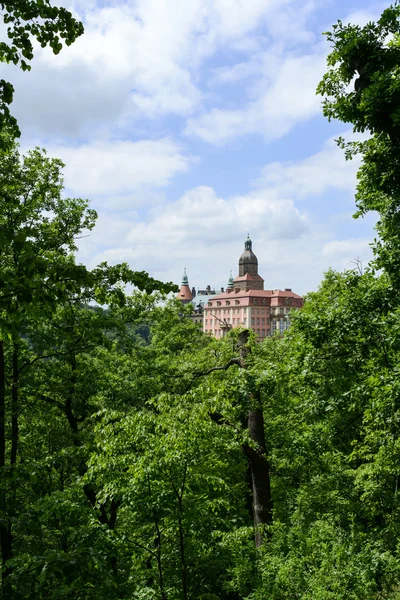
(188, 124)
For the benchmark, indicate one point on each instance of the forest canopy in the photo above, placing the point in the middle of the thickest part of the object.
(142, 459)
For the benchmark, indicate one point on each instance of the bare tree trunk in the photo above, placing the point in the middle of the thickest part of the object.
(159, 564)
(2, 407)
(260, 473)
(182, 549)
(5, 526)
(14, 405)
(256, 453)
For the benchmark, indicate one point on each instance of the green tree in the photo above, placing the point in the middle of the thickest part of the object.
(362, 87)
(39, 277)
(329, 394)
(27, 21)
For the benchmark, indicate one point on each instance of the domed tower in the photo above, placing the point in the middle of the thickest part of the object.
(248, 262)
(184, 294)
(248, 278)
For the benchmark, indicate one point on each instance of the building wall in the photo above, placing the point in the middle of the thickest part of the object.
(263, 313)
(245, 284)
(249, 266)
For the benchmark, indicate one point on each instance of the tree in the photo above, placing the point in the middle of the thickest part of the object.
(362, 87)
(28, 20)
(39, 278)
(330, 405)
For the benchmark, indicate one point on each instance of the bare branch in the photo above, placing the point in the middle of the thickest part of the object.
(232, 361)
(52, 401)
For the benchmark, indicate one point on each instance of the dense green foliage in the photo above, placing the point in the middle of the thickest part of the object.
(27, 21)
(370, 56)
(141, 459)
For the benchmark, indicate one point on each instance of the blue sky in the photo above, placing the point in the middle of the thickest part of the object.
(189, 124)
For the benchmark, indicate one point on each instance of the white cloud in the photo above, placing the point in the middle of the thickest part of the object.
(136, 58)
(119, 167)
(315, 174)
(205, 231)
(285, 96)
(348, 253)
(200, 216)
(200, 229)
(347, 249)
(142, 60)
(363, 16)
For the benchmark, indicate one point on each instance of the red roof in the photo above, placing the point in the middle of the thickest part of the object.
(249, 277)
(255, 294)
(184, 293)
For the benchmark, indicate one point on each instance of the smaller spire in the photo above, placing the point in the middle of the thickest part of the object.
(184, 294)
(229, 287)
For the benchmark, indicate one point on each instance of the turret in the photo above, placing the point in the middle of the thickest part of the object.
(248, 262)
(184, 294)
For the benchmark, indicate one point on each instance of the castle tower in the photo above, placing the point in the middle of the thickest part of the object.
(248, 262)
(184, 294)
(248, 278)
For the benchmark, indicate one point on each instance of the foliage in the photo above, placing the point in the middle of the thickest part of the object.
(362, 87)
(142, 459)
(28, 21)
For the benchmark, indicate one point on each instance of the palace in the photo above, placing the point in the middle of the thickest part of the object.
(244, 303)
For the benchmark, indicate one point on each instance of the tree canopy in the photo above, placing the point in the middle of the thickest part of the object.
(27, 21)
(142, 459)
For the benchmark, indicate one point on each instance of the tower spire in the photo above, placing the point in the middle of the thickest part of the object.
(185, 295)
(229, 287)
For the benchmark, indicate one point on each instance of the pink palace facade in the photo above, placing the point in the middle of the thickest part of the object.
(245, 303)
(263, 311)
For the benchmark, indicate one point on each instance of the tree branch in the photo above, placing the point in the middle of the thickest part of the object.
(52, 401)
(232, 361)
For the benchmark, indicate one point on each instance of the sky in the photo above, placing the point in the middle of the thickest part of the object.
(189, 124)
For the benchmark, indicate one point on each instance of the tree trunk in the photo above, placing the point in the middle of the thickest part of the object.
(159, 564)
(257, 456)
(5, 526)
(2, 407)
(14, 405)
(260, 473)
(182, 549)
